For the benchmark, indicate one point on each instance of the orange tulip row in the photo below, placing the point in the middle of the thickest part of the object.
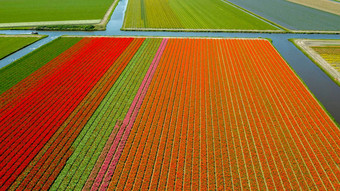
(228, 114)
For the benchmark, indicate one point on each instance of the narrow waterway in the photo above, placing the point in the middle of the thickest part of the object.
(325, 90)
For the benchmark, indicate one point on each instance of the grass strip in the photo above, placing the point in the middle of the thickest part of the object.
(20, 69)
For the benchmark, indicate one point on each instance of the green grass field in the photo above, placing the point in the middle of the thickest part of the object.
(20, 69)
(8, 45)
(13, 11)
(189, 14)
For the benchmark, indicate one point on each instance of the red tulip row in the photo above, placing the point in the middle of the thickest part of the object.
(13, 96)
(48, 159)
(33, 121)
(228, 114)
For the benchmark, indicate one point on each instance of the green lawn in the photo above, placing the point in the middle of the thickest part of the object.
(20, 69)
(8, 45)
(12, 11)
(189, 14)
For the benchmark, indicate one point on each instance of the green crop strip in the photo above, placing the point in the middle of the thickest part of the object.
(190, 14)
(114, 107)
(20, 69)
(8, 45)
(52, 10)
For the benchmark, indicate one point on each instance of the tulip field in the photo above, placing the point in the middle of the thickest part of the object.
(123, 113)
(190, 15)
(331, 54)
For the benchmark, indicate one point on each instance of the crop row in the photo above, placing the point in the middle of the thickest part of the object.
(228, 114)
(113, 154)
(30, 63)
(165, 114)
(32, 120)
(104, 122)
(51, 159)
(190, 14)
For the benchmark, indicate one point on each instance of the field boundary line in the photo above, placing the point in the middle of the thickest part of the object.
(256, 15)
(40, 23)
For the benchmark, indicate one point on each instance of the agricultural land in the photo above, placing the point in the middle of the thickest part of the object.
(292, 16)
(21, 13)
(124, 113)
(325, 53)
(323, 5)
(12, 43)
(189, 15)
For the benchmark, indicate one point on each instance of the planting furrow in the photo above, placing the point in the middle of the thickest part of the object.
(202, 124)
(209, 118)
